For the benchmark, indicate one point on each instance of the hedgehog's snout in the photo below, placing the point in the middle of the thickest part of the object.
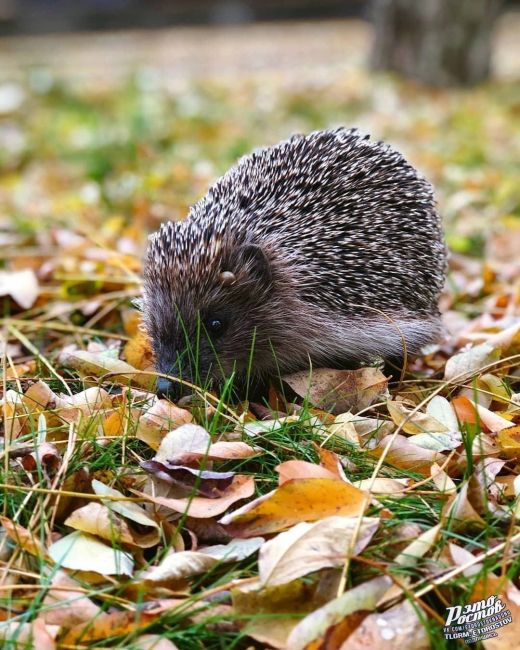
(172, 390)
(167, 389)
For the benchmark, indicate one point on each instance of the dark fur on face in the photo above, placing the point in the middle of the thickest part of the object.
(226, 323)
(325, 249)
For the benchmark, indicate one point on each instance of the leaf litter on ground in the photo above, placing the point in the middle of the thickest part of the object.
(348, 517)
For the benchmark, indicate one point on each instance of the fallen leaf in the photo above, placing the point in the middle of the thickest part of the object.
(112, 370)
(273, 610)
(465, 364)
(200, 482)
(398, 628)
(459, 512)
(360, 430)
(242, 487)
(382, 485)
(97, 519)
(118, 623)
(65, 604)
(162, 417)
(292, 469)
(295, 501)
(314, 627)
(339, 390)
(138, 351)
(418, 548)
(414, 422)
(22, 286)
(405, 455)
(184, 564)
(153, 642)
(191, 442)
(83, 552)
(442, 480)
(127, 509)
(42, 635)
(331, 461)
(306, 548)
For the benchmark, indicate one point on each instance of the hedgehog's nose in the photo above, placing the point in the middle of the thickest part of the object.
(168, 389)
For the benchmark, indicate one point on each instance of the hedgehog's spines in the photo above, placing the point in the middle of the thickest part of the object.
(346, 223)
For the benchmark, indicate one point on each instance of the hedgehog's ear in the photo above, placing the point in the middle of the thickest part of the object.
(252, 260)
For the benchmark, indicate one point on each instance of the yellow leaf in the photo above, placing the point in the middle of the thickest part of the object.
(297, 500)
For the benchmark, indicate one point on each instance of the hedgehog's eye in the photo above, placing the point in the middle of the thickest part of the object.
(215, 326)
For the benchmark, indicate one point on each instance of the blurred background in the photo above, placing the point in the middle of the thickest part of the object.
(118, 114)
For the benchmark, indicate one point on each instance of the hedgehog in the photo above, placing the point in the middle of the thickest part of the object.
(325, 250)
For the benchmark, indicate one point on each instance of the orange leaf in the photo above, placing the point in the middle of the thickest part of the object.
(138, 352)
(296, 500)
(292, 469)
(465, 410)
(330, 461)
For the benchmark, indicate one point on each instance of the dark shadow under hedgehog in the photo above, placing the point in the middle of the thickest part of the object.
(324, 250)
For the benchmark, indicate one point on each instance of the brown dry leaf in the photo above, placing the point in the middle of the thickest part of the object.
(22, 286)
(330, 460)
(138, 352)
(127, 509)
(359, 430)
(509, 442)
(339, 390)
(38, 396)
(83, 552)
(46, 457)
(317, 627)
(185, 439)
(117, 422)
(465, 364)
(460, 513)
(405, 455)
(418, 547)
(153, 642)
(414, 422)
(88, 401)
(295, 501)
(24, 539)
(465, 410)
(273, 609)
(242, 487)
(507, 635)
(483, 491)
(66, 605)
(191, 442)
(306, 548)
(97, 519)
(223, 450)
(89, 364)
(21, 370)
(43, 635)
(397, 628)
(117, 623)
(184, 564)
(292, 469)
(271, 631)
(382, 485)
(195, 481)
(492, 421)
(23, 634)
(162, 417)
(442, 480)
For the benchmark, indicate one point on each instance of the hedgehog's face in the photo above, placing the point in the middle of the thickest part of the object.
(210, 325)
